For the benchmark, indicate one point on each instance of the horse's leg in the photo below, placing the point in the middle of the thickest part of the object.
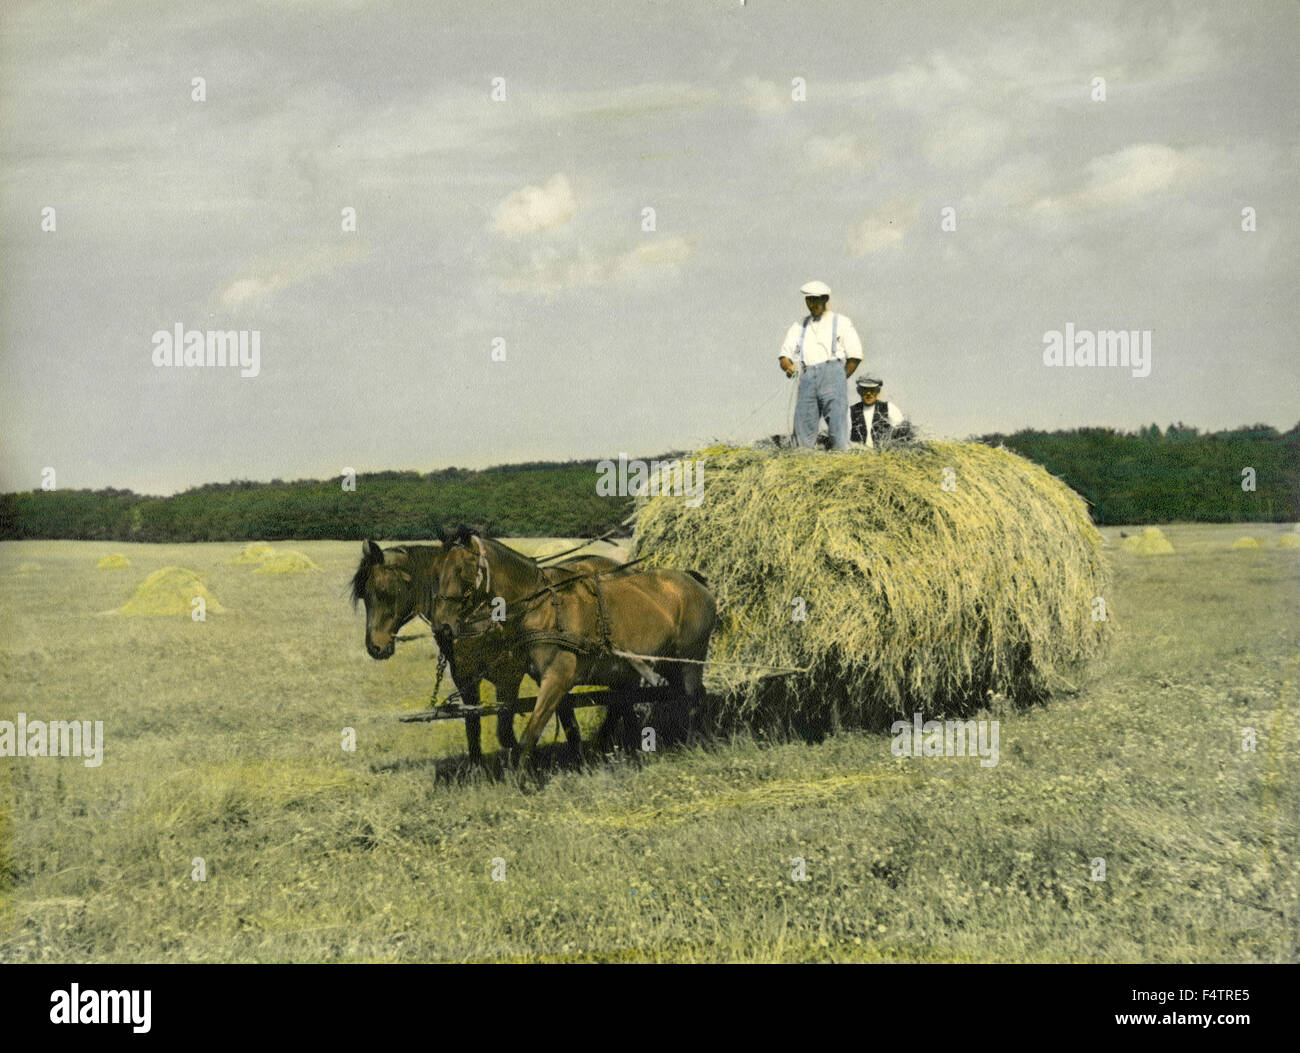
(693, 690)
(632, 728)
(572, 733)
(558, 675)
(507, 706)
(473, 736)
(613, 714)
(672, 709)
(473, 725)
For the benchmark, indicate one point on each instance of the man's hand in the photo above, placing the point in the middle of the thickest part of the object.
(787, 365)
(850, 366)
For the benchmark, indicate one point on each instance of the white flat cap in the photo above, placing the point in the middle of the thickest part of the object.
(815, 289)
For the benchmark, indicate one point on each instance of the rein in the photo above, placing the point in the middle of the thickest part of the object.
(565, 582)
(578, 548)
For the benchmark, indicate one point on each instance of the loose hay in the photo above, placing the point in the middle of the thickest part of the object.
(1288, 541)
(1151, 542)
(28, 568)
(1245, 542)
(257, 552)
(916, 598)
(113, 562)
(169, 591)
(290, 562)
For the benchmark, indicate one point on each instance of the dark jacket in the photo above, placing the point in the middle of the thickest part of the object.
(880, 429)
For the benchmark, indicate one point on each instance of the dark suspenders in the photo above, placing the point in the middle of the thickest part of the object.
(835, 329)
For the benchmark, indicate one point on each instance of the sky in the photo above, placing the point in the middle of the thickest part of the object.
(504, 295)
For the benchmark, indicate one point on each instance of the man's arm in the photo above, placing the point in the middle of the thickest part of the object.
(852, 345)
(789, 349)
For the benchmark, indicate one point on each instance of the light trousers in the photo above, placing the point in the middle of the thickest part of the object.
(823, 394)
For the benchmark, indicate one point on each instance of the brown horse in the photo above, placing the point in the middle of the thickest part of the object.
(398, 584)
(568, 631)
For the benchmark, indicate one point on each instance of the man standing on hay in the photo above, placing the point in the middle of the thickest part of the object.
(828, 350)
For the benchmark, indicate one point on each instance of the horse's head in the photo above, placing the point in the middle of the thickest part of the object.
(465, 578)
(385, 584)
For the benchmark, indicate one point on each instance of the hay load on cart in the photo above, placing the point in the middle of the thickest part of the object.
(866, 586)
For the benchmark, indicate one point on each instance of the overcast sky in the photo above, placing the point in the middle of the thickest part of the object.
(522, 219)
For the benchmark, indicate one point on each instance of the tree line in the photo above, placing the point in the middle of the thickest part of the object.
(1179, 474)
(1146, 476)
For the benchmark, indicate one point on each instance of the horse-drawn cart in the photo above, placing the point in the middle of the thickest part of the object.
(591, 631)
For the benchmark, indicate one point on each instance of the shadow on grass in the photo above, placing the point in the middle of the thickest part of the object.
(714, 727)
(549, 759)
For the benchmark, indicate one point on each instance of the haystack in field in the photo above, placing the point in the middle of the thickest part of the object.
(1151, 542)
(257, 552)
(113, 562)
(289, 562)
(1245, 542)
(895, 581)
(169, 591)
(1289, 541)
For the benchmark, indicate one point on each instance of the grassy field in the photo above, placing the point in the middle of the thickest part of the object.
(223, 742)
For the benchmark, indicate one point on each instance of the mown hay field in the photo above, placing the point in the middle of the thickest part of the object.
(223, 743)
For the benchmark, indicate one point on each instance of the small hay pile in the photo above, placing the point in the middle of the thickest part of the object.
(169, 591)
(1245, 542)
(916, 598)
(28, 568)
(113, 562)
(1151, 542)
(257, 552)
(290, 562)
(1289, 541)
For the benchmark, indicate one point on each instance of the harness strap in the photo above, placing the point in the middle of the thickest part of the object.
(567, 641)
(573, 579)
(605, 641)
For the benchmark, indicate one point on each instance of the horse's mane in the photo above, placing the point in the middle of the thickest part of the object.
(360, 580)
(464, 536)
(419, 556)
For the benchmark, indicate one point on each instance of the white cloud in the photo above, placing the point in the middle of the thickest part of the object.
(536, 208)
(661, 252)
(1014, 184)
(271, 276)
(885, 227)
(766, 96)
(967, 137)
(550, 269)
(1128, 175)
(926, 84)
(839, 151)
(242, 290)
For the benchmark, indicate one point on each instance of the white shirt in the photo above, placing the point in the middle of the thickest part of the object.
(817, 343)
(896, 417)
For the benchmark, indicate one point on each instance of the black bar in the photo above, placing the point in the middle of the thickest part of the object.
(348, 1002)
